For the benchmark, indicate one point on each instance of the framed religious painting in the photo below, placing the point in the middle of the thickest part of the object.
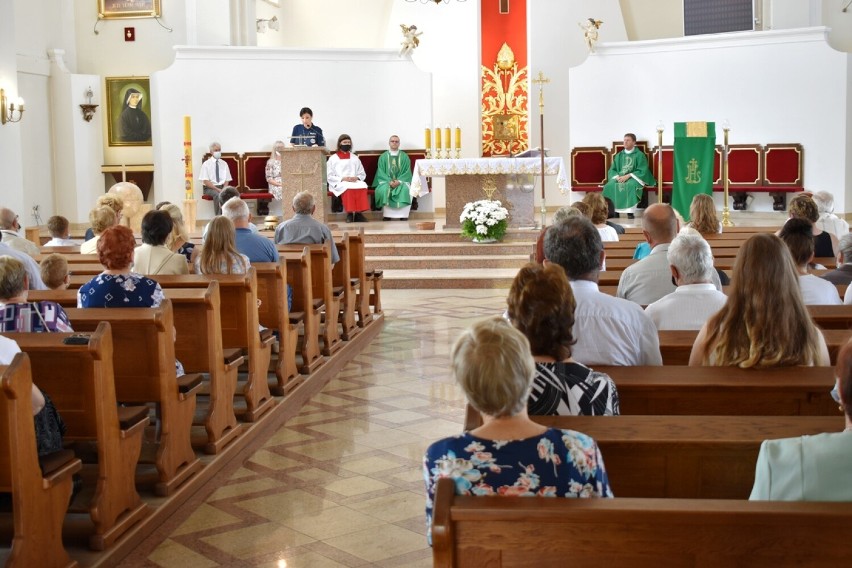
(119, 9)
(128, 111)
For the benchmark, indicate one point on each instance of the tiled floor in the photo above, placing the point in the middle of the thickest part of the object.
(341, 485)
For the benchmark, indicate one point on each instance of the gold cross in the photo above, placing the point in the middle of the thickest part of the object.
(540, 81)
(302, 173)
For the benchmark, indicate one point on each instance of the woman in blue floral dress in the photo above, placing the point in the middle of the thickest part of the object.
(509, 455)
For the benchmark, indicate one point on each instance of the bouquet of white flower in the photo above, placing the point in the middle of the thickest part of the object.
(484, 219)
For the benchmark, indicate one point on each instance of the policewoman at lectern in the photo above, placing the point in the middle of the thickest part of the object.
(307, 133)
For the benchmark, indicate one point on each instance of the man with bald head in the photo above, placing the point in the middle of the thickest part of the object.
(9, 227)
(649, 279)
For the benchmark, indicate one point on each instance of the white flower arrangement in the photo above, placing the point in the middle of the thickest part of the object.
(484, 219)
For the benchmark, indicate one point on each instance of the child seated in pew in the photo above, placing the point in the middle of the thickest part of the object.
(59, 230)
(54, 272)
(764, 322)
(811, 468)
(509, 455)
(541, 306)
(118, 286)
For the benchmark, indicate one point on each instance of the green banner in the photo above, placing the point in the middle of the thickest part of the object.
(694, 145)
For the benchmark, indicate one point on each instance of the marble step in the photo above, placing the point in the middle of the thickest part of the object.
(469, 262)
(456, 248)
(444, 278)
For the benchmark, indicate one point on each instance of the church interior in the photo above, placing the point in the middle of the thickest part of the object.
(332, 475)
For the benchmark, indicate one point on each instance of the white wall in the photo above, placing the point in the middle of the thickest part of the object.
(331, 82)
(10, 134)
(775, 86)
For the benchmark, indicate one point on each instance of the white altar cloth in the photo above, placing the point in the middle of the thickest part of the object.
(486, 166)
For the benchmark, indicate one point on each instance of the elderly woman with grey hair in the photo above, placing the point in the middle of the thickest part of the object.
(828, 221)
(696, 298)
(561, 214)
(843, 273)
(509, 455)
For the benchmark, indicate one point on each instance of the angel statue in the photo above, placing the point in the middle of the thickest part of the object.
(590, 32)
(409, 39)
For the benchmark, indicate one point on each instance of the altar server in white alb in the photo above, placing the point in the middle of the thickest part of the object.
(346, 177)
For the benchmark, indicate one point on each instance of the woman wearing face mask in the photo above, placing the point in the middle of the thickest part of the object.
(273, 178)
(307, 133)
(346, 180)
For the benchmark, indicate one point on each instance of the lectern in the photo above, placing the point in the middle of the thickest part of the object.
(303, 169)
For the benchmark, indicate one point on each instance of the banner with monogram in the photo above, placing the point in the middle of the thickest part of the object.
(694, 145)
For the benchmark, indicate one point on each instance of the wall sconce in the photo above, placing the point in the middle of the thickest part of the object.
(8, 109)
(272, 24)
(88, 109)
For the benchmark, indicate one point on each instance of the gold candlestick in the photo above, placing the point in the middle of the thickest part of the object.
(726, 213)
(660, 128)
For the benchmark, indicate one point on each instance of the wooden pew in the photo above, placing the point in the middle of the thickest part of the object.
(274, 314)
(676, 346)
(718, 391)
(198, 348)
(300, 278)
(39, 500)
(144, 365)
(239, 321)
(691, 457)
(323, 287)
(357, 269)
(342, 277)
(80, 381)
(474, 532)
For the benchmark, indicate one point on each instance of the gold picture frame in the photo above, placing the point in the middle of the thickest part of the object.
(123, 9)
(128, 125)
(506, 127)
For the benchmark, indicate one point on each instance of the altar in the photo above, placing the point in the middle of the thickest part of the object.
(467, 179)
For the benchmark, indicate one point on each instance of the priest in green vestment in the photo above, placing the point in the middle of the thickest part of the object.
(627, 177)
(393, 182)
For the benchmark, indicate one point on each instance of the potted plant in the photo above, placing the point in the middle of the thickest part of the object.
(484, 221)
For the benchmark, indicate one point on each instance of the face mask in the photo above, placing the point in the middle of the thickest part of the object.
(345, 147)
(217, 155)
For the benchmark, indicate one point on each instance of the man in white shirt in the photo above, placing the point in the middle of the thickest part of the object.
(215, 175)
(798, 235)
(650, 279)
(9, 227)
(609, 330)
(696, 298)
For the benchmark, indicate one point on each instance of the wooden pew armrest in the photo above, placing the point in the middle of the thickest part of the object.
(188, 384)
(297, 317)
(337, 291)
(233, 357)
(375, 274)
(317, 303)
(57, 466)
(131, 417)
(267, 337)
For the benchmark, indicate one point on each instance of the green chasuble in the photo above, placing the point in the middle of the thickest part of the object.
(626, 195)
(393, 168)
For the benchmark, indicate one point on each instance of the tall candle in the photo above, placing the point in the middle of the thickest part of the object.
(448, 141)
(428, 133)
(438, 138)
(458, 137)
(187, 157)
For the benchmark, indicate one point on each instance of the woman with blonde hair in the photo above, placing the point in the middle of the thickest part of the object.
(509, 454)
(702, 215)
(765, 322)
(219, 255)
(178, 240)
(112, 201)
(101, 218)
(598, 213)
